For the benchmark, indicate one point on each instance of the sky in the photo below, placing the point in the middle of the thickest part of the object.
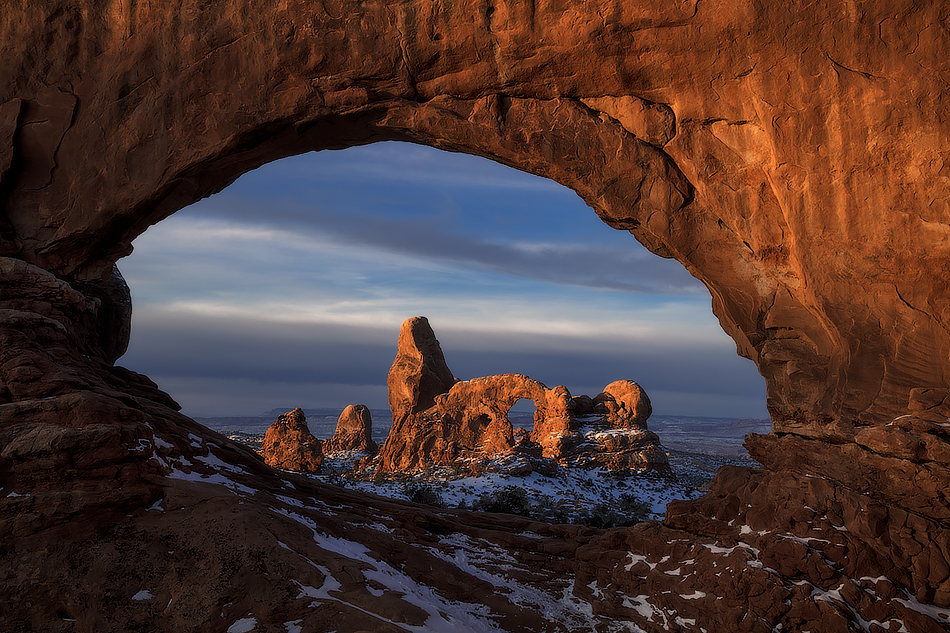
(288, 288)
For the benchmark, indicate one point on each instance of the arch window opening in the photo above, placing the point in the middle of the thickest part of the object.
(288, 288)
(521, 416)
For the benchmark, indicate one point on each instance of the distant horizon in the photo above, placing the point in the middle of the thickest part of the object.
(276, 411)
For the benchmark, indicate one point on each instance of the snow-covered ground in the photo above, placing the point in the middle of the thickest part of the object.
(597, 497)
(574, 495)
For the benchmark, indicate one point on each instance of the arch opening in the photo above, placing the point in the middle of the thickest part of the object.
(271, 311)
(522, 417)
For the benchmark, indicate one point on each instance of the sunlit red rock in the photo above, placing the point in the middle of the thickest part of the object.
(354, 432)
(419, 372)
(288, 443)
(626, 404)
(469, 421)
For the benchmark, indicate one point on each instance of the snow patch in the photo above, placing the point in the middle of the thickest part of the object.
(939, 614)
(244, 625)
(638, 558)
(144, 594)
(294, 626)
(159, 442)
(216, 478)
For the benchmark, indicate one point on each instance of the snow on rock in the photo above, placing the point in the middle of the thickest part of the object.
(244, 625)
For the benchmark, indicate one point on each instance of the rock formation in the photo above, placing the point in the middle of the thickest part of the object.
(354, 432)
(419, 372)
(625, 404)
(288, 443)
(793, 158)
(469, 421)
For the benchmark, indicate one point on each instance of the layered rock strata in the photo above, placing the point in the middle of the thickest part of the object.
(288, 443)
(793, 158)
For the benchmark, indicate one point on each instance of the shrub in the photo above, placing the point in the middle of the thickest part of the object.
(510, 500)
(633, 507)
(549, 512)
(623, 513)
(424, 494)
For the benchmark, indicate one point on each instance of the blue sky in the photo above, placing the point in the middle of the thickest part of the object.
(288, 289)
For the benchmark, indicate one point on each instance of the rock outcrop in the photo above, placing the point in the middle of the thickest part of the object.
(793, 158)
(625, 404)
(469, 421)
(354, 432)
(288, 443)
(419, 373)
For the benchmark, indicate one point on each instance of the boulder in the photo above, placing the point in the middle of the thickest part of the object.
(354, 432)
(289, 444)
(582, 405)
(625, 404)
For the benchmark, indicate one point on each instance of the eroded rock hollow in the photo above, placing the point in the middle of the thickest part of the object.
(792, 157)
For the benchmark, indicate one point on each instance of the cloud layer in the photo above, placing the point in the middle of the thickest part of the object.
(288, 289)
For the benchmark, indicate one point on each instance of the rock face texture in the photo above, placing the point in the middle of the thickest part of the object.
(354, 432)
(471, 418)
(288, 443)
(746, 172)
(792, 157)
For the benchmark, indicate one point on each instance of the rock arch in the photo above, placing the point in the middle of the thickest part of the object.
(792, 158)
(92, 158)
